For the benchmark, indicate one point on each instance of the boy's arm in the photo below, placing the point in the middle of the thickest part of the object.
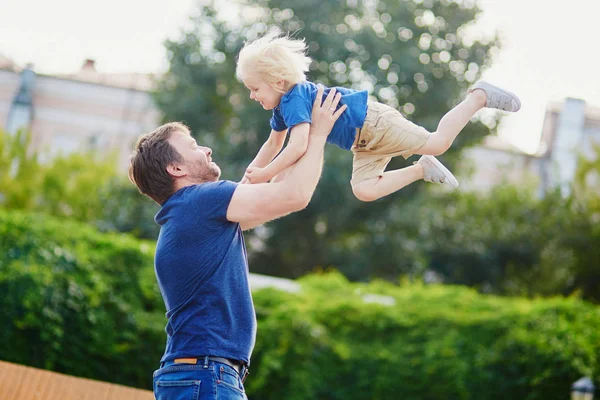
(268, 151)
(288, 157)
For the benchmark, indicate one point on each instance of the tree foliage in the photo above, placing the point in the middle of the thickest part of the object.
(20, 175)
(585, 237)
(77, 301)
(411, 55)
(82, 186)
(506, 241)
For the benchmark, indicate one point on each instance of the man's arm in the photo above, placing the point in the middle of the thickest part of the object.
(288, 157)
(255, 204)
(246, 226)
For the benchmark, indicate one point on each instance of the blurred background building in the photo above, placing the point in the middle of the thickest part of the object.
(87, 110)
(103, 112)
(571, 130)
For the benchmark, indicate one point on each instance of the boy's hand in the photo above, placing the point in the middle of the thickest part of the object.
(324, 114)
(256, 175)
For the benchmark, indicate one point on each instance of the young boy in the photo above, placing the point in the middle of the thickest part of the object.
(273, 69)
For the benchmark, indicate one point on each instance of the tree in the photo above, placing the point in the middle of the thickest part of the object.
(71, 294)
(584, 239)
(19, 171)
(410, 55)
(506, 241)
(83, 186)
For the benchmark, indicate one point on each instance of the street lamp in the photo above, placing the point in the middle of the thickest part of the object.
(583, 389)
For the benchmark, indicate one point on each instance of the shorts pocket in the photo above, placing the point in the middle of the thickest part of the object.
(366, 140)
(177, 390)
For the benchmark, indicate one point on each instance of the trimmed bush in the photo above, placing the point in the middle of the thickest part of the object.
(87, 304)
(435, 342)
(77, 301)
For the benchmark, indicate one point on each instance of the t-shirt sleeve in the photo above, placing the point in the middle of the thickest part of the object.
(213, 198)
(277, 122)
(296, 109)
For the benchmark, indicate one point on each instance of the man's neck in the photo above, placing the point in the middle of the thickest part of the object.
(184, 182)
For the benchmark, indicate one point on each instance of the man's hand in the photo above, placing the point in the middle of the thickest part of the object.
(256, 175)
(324, 114)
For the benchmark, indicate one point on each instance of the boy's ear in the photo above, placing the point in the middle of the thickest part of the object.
(281, 85)
(175, 170)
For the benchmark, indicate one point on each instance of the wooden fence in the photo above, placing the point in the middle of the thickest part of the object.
(18, 382)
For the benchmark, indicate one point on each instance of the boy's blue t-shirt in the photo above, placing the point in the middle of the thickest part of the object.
(202, 272)
(296, 106)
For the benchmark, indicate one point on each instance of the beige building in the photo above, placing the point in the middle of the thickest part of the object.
(75, 112)
(496, 161)
(571, 129)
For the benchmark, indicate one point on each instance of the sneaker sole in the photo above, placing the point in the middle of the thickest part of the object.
(451, 180)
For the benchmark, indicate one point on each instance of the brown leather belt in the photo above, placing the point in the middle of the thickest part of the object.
(239, 366)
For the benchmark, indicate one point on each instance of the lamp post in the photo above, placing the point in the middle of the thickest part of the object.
(583, 389)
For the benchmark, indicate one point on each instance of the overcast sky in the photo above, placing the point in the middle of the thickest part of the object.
(548, 52)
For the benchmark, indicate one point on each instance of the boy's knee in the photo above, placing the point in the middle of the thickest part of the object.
(439, 150)
(364, 192)
(436, 146)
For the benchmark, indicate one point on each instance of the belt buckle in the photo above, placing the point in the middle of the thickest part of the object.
(245, 373)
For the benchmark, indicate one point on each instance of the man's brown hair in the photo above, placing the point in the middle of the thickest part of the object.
(149, 161)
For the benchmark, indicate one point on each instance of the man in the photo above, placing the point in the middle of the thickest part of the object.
(200, 260)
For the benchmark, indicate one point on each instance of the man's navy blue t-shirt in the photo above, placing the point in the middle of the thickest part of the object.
(202, 272)
(296, 106)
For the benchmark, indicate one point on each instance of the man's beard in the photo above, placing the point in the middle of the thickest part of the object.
(204, 172)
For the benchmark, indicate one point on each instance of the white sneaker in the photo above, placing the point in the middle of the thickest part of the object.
(498, 97)
(435, 172)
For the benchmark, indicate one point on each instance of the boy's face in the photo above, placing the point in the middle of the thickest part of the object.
(262, 92)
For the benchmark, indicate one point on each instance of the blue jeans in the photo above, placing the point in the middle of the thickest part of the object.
(213, 381)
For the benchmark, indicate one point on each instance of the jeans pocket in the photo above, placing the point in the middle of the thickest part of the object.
(177, 390)
(229, 380)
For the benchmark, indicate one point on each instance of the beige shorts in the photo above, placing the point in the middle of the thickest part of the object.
(385, 134)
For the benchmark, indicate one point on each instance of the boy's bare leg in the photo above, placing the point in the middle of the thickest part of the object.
(391, 181)
(453, 122)
(427, 168)
(483, 94)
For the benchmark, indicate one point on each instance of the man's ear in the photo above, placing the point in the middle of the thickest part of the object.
(175, 170)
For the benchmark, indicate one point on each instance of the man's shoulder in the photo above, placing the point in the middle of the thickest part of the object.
(215, 184)
(219, 183)
(204, 191)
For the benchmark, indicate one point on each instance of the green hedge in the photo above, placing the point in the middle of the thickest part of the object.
(86, 304)
(435, 342)
(77, 301)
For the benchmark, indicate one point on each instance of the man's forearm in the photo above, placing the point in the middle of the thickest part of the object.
(305, 174)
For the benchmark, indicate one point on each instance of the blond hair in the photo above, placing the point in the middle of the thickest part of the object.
(276, 58)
